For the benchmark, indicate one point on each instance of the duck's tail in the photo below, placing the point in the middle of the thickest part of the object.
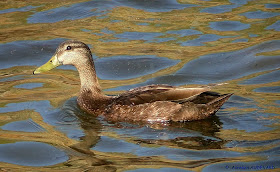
(217, 103)
(194, 110)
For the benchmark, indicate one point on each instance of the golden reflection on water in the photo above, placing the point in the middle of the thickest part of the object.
(60, 85)
(59, 82)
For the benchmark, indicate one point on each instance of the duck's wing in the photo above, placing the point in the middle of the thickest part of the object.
(152, 93)
(195, 107)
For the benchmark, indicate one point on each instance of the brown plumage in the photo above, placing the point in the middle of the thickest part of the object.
(153, 103)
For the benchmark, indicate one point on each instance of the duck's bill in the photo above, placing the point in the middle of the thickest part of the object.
(52, 63)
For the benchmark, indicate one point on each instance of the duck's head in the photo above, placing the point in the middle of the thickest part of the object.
(69, 52)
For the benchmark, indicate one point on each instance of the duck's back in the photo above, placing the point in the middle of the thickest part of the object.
(165, 103)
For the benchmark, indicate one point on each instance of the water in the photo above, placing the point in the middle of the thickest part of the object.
(235, 44)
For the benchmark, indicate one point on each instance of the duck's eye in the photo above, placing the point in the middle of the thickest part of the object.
(68, 48)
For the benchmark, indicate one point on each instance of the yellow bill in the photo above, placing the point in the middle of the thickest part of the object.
(52, 63)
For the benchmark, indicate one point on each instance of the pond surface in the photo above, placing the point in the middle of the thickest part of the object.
(232, 44)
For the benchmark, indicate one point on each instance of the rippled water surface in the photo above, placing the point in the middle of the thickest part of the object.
(234, 44)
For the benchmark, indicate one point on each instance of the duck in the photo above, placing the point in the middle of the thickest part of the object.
(151, 103)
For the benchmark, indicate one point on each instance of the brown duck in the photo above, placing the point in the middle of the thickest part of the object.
(153, 103)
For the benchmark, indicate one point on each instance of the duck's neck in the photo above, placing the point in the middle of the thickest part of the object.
(89, 81)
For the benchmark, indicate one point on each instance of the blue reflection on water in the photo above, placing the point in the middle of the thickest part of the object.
(253, 35)
(274, 26)
(29, 52)
(275, 89)
(203, 39)
(100, 8)
(220, 67)
(12, 78)
(31, 154)
(240, 2)
(127, 67)
(107, 31)
(184, 32)
(272, 5)
(229, 26)
(265, 78)
(73, 12)
(26, 126)
(29, 85)
(158, 37)
(224, 8)
(250, 122)
(39, 106)
(260, 14)
(61, 117)
(248, 143)
(240, 40)
(138, 35)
